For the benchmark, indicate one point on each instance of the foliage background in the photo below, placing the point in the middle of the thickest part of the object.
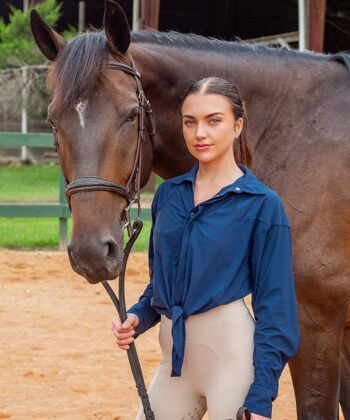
(18, 49)
(17, 46)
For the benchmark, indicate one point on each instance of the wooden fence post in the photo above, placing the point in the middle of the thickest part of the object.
(62, 220)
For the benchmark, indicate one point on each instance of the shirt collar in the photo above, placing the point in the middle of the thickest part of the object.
(246, 183)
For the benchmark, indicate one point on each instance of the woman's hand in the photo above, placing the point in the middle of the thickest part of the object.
(124, 332)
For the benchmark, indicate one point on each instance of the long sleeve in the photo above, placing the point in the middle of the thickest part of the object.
(276, 337)
(147, 315)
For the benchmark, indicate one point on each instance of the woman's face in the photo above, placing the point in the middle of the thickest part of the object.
(207, 119)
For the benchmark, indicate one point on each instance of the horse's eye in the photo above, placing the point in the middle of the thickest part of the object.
(49, 121)
(133, 114)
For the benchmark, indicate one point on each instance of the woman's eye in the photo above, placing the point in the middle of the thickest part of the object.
(188, 122)
(214, 121)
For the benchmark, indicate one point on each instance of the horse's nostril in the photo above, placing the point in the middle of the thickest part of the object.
(111, 249)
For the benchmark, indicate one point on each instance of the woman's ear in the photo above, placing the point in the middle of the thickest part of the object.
(49, 41)
(116, 28)
(238, 127)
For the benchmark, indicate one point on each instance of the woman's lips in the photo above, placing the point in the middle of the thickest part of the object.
(202, 146)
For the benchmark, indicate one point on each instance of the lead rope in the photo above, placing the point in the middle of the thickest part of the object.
(133, 233)
(120, 305)
(121, 308)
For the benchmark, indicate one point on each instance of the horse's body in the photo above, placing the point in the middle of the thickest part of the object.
(298, 107)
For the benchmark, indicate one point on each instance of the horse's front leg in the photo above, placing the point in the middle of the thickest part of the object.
(315, 369)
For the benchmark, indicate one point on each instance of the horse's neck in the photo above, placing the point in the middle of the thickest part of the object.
(166, 73)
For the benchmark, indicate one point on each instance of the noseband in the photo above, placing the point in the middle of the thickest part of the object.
(131, 193)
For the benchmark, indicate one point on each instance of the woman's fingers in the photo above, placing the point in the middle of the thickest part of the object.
(123, 347)
(124, 340)
(116, 324)
(123, 335)
(129, 324)
(124, 332)
(124, 344)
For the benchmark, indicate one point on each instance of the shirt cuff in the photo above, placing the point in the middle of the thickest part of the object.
(148, 316)
(259, 401)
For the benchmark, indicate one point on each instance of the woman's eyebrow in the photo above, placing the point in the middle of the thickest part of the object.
(207, 116)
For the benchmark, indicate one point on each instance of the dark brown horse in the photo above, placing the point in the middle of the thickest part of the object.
(299, 107)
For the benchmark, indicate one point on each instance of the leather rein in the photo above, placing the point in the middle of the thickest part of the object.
(131, 193)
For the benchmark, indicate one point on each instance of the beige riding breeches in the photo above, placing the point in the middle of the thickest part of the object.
(217, 370)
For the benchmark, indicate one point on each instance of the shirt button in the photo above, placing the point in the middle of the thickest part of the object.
(237, 188)
(191, 214)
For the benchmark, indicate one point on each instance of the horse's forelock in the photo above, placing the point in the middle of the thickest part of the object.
(77, 68)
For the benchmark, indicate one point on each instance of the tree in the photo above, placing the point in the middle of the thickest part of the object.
(17, 47)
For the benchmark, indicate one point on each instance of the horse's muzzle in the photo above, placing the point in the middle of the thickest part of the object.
(96, 259)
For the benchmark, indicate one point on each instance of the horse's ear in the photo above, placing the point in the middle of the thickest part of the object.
(48, 40)
(116, 27)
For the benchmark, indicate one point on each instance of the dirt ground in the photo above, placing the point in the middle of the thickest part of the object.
(57, 353)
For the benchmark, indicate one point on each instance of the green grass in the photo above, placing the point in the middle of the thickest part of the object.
(37, 183)
(28, 233)
(40, 183)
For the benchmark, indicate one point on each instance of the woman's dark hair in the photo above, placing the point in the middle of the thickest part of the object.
(241, 147)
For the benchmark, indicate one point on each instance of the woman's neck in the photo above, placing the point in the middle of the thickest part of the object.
(218, 172)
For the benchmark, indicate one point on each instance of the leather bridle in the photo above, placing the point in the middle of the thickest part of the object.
(131, 193)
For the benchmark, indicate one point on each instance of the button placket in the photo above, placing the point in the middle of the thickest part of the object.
(195, 211)
(181, 267)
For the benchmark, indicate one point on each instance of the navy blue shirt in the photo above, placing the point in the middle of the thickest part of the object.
(200, 256)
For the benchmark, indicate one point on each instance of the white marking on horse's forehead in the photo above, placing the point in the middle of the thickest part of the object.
(81, 108)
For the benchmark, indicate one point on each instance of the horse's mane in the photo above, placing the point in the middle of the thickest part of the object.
(199, 42)
(342, 57)
(77, 67)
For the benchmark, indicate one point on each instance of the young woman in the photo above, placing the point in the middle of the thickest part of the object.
(218, 234)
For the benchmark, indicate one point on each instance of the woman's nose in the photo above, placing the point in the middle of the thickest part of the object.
(200, 132)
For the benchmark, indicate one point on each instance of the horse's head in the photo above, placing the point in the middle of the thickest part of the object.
(95, 117)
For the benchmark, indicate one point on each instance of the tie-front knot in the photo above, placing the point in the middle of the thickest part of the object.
(179, 336)
(176, 312)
